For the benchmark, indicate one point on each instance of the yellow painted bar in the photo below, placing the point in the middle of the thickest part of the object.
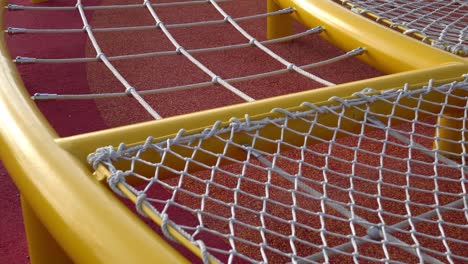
(81, 145)
(278, 26)
(42, 246)
(81, 214)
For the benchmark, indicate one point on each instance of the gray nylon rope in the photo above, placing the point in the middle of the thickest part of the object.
(17, 30)
(179, 49)
(49, 96)
(129, 90)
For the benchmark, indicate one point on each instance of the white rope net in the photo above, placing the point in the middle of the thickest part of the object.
(444, 23)
(354, 180)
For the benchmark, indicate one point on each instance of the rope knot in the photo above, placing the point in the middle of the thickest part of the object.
(103, 154)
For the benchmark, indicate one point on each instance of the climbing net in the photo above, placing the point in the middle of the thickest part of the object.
(366, 178)
(348, 180)
(213, 77)
(442, 23)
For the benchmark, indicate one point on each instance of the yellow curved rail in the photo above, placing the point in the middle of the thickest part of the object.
(72, 217)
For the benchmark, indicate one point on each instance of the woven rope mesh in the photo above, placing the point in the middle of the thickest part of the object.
(158, 38)
(445, 22)
(360, 179)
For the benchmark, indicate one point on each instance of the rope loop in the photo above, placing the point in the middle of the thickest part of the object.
(116, 178)
(141, 198)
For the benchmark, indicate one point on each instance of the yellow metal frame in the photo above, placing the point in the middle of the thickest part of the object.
(81, 221)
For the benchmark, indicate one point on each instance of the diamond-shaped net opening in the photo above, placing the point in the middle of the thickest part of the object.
(378, 177)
